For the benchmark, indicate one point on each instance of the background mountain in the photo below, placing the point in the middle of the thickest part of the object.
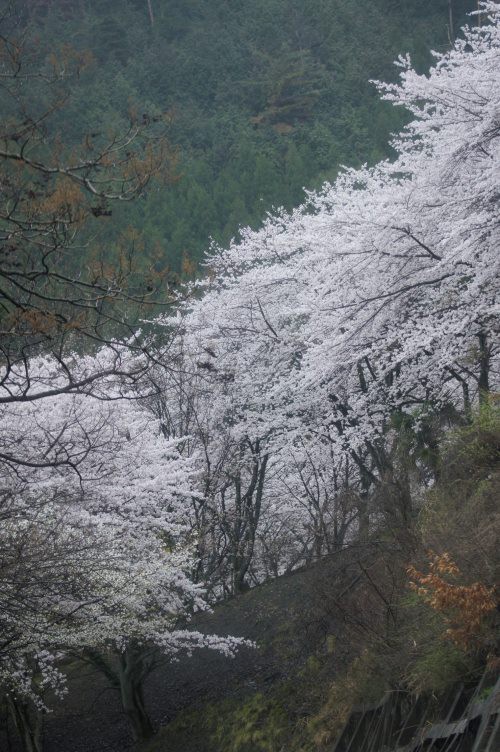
(262, 98)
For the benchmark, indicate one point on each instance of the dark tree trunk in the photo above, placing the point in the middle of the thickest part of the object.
(363, 517)
(133, 705)
(126, 672)
(28, 724)
(484, 368)
(131, 675)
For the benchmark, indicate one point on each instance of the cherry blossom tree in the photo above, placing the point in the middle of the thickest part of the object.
(372, 307)
(96, 549)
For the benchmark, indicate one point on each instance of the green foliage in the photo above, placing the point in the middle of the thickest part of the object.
(265, 98)
(475, 447)
(461, 513)
(460, 516)
(361, 682)
(440, 665)
(256, 726)
(427, 662)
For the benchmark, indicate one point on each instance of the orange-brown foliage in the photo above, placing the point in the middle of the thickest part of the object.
(462, 606)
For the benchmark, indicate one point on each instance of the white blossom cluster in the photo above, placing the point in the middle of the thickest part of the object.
(94, 532)
(377, 298)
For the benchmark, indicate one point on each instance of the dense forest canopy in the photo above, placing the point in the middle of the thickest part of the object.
(263, 98)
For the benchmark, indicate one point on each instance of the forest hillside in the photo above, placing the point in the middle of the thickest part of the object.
(263, 99)
(254, 508)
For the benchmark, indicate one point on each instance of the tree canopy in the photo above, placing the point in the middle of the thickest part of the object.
(263, 99)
